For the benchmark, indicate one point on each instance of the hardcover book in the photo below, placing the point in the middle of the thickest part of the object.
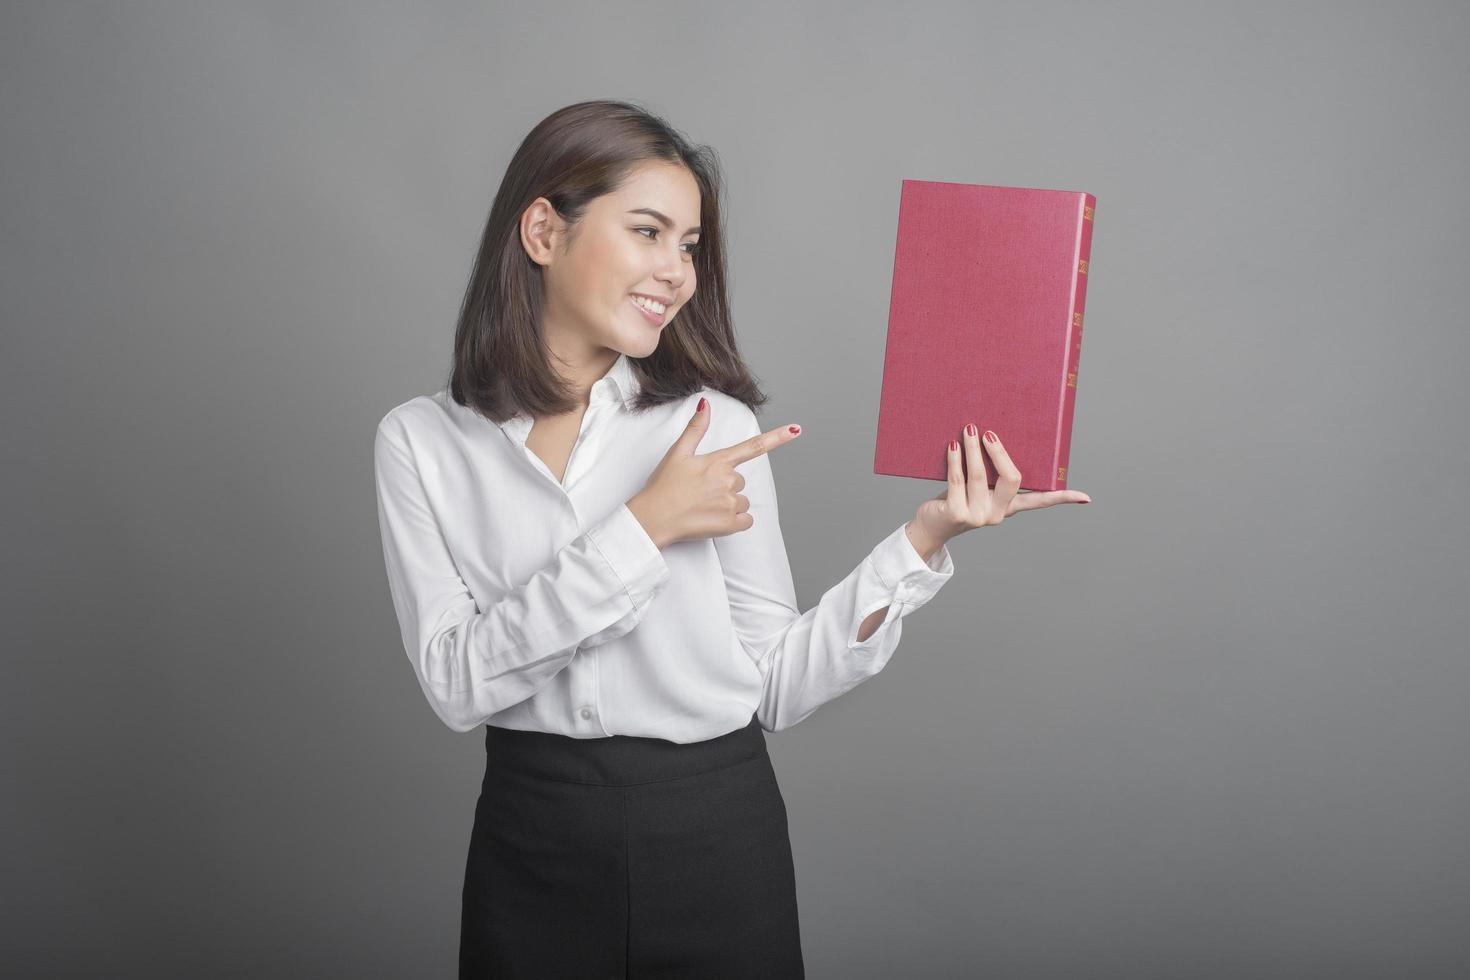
(984, 326)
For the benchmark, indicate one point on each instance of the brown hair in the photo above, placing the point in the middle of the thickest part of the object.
(576, 154)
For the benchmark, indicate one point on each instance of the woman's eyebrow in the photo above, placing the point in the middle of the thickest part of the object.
(662, 219)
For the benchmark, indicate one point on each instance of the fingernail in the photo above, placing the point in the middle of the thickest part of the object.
(701, 405)
(794, 429)
(970, 429)
(954, 445)
(989, 436)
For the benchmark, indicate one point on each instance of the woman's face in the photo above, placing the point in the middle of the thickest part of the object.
(621, 250)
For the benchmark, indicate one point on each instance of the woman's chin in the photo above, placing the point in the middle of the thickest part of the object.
(645, 335)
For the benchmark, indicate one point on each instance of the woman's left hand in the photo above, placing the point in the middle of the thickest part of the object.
(966, 504)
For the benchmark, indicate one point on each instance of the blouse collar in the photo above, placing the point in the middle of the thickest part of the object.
(619, 385)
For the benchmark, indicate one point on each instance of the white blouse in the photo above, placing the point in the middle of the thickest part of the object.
(530, 604)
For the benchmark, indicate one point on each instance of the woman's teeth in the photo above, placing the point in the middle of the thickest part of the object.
(652, 312)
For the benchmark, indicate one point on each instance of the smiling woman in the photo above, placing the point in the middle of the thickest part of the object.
(585, 556)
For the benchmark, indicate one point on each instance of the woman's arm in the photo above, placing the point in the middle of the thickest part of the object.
(807, 659)
(473, 663)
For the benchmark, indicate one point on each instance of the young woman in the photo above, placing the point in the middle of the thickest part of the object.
(594, 465)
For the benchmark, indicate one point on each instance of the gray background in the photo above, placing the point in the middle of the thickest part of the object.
(1211, 725)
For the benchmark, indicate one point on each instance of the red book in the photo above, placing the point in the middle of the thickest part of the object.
(984, 326)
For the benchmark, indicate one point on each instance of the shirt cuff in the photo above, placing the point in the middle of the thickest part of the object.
(904, 571)
(625, 545)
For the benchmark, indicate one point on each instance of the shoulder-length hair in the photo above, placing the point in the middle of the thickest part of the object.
(578, 153)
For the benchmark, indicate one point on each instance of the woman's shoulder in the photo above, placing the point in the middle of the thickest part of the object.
(419, 417)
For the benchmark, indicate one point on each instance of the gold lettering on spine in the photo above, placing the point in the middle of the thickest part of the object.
(1076, 322)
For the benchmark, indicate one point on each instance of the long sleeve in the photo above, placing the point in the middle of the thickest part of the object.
(473, 663)
(807, 659)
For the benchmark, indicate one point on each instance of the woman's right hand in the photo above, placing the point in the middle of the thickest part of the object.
(693, 495)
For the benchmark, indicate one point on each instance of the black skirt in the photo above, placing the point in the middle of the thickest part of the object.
(631, 858)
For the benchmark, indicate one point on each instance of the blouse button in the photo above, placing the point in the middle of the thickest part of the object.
(586, 712)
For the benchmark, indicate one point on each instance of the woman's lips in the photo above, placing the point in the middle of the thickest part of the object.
(649, 315)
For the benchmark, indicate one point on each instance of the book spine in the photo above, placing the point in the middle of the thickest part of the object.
(1074, 345)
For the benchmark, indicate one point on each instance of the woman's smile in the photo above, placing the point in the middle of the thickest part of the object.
(657, 319)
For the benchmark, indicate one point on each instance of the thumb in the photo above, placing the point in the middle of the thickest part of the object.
(698, 425)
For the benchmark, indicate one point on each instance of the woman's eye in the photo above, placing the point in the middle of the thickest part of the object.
(693, 246)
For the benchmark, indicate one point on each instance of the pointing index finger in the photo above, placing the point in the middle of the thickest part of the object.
(762, 442)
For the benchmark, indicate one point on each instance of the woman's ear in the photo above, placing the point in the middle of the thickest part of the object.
(540, 225)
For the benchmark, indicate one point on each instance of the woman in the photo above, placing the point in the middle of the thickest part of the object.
(581, 475)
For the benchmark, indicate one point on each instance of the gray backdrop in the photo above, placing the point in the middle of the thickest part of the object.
(1211, 725)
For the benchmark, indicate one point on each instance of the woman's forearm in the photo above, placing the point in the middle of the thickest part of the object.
(870, 624)
(926, 549)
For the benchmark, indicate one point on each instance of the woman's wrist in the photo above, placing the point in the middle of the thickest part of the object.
(923, 543)
(650, 526)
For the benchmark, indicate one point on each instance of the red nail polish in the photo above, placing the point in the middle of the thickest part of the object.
(794, 429)
(954, 445)
(701, 404)
(990, 436)
(970, 429)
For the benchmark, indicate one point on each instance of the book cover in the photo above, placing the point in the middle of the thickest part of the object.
(984, 325)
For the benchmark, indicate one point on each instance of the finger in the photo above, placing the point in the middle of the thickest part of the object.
(1046, 498)
(762, 442)
(957, 496)
(1008, 477)
(698, 425)
(975, 460)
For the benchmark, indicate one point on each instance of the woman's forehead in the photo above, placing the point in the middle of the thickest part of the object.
(663, 187)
